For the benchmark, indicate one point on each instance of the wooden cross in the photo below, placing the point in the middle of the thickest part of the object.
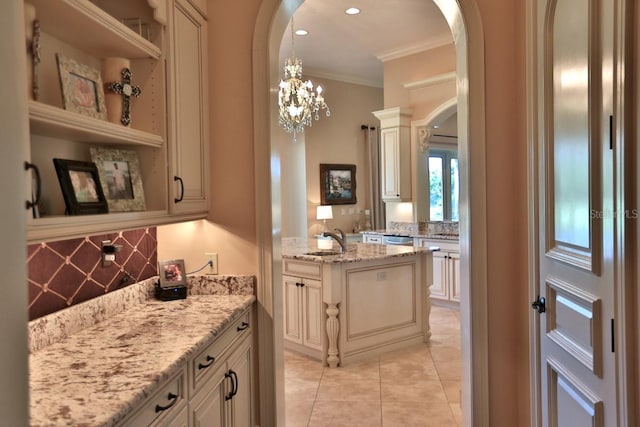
(127, 90)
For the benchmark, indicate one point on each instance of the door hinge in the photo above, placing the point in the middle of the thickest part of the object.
(610, 132)
(613, 336)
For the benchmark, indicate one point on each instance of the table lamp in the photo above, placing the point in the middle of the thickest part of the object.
(324, 212)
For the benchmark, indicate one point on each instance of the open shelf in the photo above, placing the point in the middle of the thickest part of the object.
(93, 30)
(53, 121)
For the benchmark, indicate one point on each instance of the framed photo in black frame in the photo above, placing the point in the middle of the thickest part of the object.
(81, 189)
(337, 184)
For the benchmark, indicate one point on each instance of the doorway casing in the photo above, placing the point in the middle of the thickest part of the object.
(464, 21)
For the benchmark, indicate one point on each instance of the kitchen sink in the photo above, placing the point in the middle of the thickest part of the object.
(323, 253)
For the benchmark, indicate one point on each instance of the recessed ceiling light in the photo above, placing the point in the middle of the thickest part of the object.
(301, 32)
(352, 11)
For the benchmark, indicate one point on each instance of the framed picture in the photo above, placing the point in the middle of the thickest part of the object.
(82, 89)
(81, 187)
(337, 184)
(172, 273)
(120, 177)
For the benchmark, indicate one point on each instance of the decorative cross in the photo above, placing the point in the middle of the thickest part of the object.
(127, 90)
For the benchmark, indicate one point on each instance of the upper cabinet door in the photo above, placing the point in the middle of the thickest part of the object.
(395, 143)
(189, 110)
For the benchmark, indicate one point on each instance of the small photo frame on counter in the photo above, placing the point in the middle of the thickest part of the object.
(82, 88)
(172, 273)
(81, 189)
(120, 177)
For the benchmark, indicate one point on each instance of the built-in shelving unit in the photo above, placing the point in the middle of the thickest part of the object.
(88, 32)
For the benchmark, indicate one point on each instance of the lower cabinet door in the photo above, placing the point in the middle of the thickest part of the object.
(292, 309)
(439, 288)
(241, 409)
(454, 276)
(207, 406)
(312, 312)
(181, 420)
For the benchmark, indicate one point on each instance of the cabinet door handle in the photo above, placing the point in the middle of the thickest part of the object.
(243, 326)
(179, 199)
(32, 203)
(210, 359)
(228, 375)
(234, 391)
(173, 398)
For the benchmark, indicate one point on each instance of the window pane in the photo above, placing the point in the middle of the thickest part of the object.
(436, 196)
(455, 189)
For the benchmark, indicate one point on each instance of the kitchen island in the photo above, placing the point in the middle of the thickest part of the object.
(341, 307)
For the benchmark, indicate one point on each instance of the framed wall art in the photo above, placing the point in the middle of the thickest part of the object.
(81, 189)
(120, 176)
(337, 184)
(82, 88)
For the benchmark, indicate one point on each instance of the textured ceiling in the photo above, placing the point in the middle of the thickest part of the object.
(349, 48)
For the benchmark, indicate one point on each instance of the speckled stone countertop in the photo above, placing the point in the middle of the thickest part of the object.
(95, 376)
(417, 234)
(295, 248)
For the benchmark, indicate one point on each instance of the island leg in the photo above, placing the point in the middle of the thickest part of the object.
(333, 327)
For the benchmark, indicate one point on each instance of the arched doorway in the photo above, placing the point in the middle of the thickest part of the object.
(464, 21)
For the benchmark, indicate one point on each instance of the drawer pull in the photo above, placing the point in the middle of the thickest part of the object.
(173, 398)
(243, 326)
(210, 359)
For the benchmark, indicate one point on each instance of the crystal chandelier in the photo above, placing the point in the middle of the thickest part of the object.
(296, 98)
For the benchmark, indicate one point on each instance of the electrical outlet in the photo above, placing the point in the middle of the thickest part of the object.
(212, 257)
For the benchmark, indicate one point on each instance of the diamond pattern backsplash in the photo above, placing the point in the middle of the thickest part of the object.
(67, 272)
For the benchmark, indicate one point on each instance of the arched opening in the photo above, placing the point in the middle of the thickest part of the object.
(464, 21)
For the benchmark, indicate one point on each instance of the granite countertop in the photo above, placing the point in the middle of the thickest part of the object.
(418, 234)
(96, 376)
(356, 252)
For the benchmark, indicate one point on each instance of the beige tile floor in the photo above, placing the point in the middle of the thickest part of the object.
(419, 386)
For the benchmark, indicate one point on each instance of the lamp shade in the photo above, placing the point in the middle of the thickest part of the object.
(324, 212)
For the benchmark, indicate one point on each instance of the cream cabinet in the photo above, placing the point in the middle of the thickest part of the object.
(152, 37)
(189, 109)
(304, 317)
(221, 380)
(395, 145)
(225, 399)
(214, 388)
(446, 270)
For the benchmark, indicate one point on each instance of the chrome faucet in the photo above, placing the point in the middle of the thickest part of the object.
(342, 240)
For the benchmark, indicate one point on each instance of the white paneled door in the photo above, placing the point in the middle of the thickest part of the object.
(576, 222)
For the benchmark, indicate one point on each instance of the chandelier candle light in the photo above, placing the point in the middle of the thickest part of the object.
(296, 98)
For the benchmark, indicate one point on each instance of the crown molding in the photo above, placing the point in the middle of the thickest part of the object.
(413, 49)
(431, 81)
(312, 72)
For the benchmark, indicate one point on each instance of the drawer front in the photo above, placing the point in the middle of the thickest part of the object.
(163, 405)
(205, 363)
(312, 270)
(444, 245)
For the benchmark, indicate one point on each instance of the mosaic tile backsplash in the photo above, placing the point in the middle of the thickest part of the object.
(67, 272)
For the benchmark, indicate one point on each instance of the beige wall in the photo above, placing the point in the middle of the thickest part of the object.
(339, 139)
(416, 68)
